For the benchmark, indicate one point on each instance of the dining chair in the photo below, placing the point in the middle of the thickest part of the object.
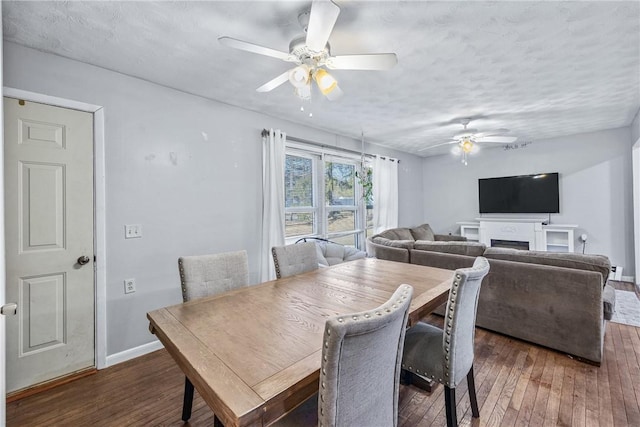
(206, 275)
(446, 356)
(360, 368)
(294, 259)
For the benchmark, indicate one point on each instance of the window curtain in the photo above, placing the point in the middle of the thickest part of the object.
(273, 158)
(385, 194)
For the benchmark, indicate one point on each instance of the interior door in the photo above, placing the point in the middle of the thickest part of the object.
(48, 167)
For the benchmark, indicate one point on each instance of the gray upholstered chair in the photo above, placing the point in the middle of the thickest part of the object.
(206, 275)
(360, 368)
(446, 356)
(330, 253)
(294, 259)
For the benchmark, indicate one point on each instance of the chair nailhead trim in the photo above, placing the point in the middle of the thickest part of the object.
(449, 324)
(275, 262)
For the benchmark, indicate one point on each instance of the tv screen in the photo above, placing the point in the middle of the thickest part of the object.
(538, 193)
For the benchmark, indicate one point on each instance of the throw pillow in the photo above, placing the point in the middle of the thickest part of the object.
(423, 232)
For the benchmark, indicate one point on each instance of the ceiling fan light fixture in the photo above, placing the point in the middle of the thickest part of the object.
(467, 145)
(325, 81)
(303, 92)
(300, 76)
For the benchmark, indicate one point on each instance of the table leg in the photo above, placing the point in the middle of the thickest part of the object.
(188, 399)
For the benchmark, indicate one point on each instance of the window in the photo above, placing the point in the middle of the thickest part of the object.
(323, 196)
(300, 208)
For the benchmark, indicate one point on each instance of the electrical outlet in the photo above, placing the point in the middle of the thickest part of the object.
(132, 231)
(129, 286)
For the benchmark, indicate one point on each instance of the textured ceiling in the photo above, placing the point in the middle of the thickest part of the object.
(542, 69)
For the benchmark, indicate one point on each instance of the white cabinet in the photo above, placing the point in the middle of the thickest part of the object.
(559, 238)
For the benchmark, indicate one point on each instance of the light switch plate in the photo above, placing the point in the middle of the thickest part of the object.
(132, 231)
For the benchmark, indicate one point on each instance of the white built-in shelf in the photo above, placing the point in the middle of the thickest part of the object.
(559, 238)
(470, 230)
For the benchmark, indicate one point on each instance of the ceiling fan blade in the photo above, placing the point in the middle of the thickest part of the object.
(498, 139)
(438, 145)
(254, 48)
(322, 18)
(373, 61)
(501, 131)
(272, 84)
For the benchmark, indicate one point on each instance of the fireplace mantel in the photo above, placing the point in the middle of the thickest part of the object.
(535, 232)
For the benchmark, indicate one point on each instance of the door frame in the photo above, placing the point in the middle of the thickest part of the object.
(635, 158)
(100, 249)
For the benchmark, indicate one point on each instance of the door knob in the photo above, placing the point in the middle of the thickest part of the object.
(83, 260)
(9, 309)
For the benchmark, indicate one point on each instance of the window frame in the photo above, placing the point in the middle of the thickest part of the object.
(313, 209)
(320, 156)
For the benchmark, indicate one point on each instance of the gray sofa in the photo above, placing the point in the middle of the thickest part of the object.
(558, 300)
(395, 244)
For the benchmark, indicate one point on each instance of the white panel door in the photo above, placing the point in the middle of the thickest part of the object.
(48, 169)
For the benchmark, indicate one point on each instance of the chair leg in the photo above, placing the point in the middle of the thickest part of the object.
(471, 385)
(188, 399)
(450, 406)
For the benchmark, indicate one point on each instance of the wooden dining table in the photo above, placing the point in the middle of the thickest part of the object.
(254, 353)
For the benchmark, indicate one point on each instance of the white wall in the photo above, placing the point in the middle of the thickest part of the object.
(192, 194)
(595, 187)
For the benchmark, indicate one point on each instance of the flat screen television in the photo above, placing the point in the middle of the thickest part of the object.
(537, 193)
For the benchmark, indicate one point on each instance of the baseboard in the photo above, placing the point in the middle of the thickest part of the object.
(628, 279)
(132, 353)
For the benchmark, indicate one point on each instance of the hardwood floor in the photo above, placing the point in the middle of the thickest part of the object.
(517, 383)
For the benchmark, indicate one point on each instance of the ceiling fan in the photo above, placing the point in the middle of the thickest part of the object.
(311, 53)
(466, 142)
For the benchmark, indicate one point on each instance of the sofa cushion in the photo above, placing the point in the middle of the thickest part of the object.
(452, 247)
(396, 234)
(608, 301)
(406, 244)
(449, 238)
(598, 263)
(422, 232)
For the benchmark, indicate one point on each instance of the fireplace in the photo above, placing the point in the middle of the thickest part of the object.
(512, 244)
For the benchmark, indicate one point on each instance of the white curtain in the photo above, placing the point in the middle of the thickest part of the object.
(385, 193)
(273, 158)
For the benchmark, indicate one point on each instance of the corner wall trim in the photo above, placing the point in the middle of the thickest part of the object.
(132, 353)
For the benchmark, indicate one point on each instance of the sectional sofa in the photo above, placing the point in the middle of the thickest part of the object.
(558, 300)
